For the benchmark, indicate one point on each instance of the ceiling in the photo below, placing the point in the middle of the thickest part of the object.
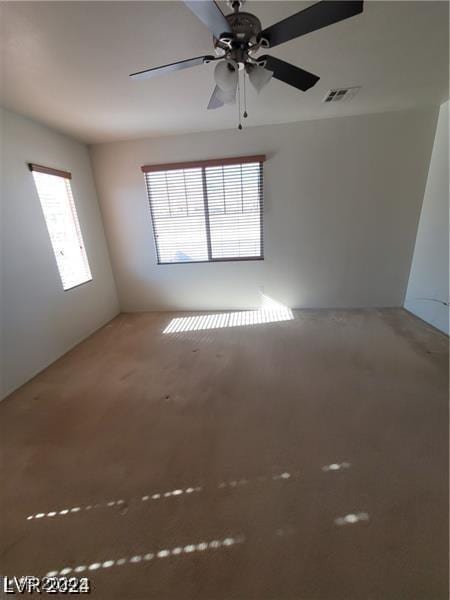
(67, 63)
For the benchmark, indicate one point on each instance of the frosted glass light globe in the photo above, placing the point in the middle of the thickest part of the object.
(226, 75)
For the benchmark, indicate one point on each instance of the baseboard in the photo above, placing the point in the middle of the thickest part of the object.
(444, 333)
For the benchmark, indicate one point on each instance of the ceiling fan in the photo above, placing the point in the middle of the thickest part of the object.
(238, 37)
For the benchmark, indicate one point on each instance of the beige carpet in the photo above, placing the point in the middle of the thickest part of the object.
(295, 459)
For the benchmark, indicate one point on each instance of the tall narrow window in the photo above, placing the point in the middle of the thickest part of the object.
(60, 214)
(207, 211)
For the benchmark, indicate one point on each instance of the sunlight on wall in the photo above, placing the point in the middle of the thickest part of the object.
(270, 312)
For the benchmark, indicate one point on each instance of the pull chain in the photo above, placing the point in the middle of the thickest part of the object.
(245, 97)
(239, 101)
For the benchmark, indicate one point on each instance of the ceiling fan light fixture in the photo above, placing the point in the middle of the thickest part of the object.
(227, 96)
(221, 97)
(259, 76)
(226, 75)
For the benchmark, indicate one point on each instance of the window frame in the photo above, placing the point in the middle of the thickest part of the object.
(66, 175)
(203, 164)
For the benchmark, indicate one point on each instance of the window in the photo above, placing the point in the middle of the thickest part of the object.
(63, 227)
(207, 211)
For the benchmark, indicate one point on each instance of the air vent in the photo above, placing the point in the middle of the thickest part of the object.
(338, 95)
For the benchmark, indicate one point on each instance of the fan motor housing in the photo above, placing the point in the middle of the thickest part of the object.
(246, 32)
(245, 26)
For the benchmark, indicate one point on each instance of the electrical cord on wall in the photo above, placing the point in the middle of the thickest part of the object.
(435, 300)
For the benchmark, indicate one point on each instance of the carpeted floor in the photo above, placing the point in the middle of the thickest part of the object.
(304, 458)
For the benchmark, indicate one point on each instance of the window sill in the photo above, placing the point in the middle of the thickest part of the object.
(77, 285)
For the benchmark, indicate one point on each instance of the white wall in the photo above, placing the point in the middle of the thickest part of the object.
(39, 321)
(342, 197)
(429, 278)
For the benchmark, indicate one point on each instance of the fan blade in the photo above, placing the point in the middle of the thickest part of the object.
(290, 74)
(182, 64)
(220, 97)
(210, 15)
(314, 17)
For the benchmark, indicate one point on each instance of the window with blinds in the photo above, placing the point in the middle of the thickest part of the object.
(60, 215)
(207, 211)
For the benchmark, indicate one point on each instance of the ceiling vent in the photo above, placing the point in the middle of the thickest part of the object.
(340, 94)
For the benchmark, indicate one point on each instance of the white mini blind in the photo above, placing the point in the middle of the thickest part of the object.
(60, 215)
(207, 211)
